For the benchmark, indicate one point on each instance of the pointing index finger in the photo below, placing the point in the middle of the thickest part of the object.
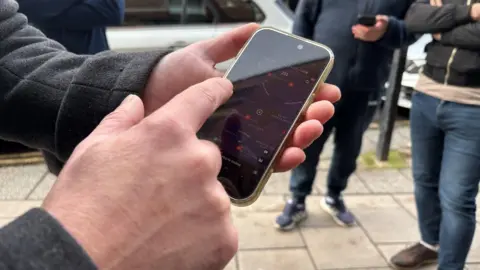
(195, 105)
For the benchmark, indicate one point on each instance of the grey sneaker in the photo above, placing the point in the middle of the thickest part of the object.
(339, 212)
(292, 214)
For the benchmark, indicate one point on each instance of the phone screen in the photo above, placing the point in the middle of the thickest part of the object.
(273, 79)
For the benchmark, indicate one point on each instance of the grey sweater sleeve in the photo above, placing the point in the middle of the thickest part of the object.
(36, 241)
(51, 99)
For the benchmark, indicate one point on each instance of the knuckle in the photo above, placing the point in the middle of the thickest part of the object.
(216, 89)
(218, 200)
(205, 159)
(168, 125)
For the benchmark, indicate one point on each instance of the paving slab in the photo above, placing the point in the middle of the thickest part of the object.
(17, 182)
(355, 184)
(380, 216)
(43, 188)
(474, 254)
(340, 248)
(279, 184)
(388, 225)
(232, 265)
(265, 203)
(399, 138)
(317, 218)
(386, 181)
(407, 172)
(256, 231)
(367, 146)
(324, 165)
(403, 132)
(408, 202)
(328, 149)
(13, 209)
(278, 259)
(5, 221)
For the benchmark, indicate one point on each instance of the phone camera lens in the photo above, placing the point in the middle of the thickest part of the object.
(300, 46)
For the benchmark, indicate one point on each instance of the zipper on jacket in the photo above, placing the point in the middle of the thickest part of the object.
(452, 56)
(450, 61)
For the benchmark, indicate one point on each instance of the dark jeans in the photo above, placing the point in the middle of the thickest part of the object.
(352, 116)
(446, 168)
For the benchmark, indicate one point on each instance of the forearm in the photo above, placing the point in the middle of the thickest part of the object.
(464, 36)
(424, 18)
(37, 241)
(52, 99)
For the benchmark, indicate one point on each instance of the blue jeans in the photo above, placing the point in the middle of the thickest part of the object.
(446, 169)
(353, 115)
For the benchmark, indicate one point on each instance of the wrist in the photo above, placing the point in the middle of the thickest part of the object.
(81, 227)
(46, 241)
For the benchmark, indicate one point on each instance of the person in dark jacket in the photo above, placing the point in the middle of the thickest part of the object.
(362, 58)
(112, 206)
(445, 132)
(79, 25)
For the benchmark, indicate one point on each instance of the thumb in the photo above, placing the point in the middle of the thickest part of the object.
(129, 113)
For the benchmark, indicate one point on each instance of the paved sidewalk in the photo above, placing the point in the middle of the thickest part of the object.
(381, 200)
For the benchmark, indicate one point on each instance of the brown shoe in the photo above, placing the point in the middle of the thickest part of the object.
(414, 257)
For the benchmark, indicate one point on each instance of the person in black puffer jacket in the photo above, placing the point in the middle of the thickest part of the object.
(445, 131)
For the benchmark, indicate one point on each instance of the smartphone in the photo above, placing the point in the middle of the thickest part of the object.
(275, 77)
(367, 20)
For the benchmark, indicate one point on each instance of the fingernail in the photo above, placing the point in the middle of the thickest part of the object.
(128, 101)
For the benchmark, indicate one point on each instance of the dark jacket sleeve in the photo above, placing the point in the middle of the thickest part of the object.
(424, 18)
(465, 37)
(397, 35)
(36, 241)
(74, 14)
(306, 15)
(52, 99)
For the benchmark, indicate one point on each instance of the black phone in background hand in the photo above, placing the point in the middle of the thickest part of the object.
(367, 20)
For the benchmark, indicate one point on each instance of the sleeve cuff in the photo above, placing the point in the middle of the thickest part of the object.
(97, 90)
(37, 240)
(392, 37)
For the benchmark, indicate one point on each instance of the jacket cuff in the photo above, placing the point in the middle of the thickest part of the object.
(37, 240)
(393, 36)
(97, 90)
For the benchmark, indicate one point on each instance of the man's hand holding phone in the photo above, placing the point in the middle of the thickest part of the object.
(196, 63)
(372, 33)
(141, 191)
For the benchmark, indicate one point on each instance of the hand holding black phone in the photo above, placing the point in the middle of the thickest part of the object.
(367, 20)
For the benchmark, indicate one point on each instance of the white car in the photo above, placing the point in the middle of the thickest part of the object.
(162, 24)
(158, 24)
